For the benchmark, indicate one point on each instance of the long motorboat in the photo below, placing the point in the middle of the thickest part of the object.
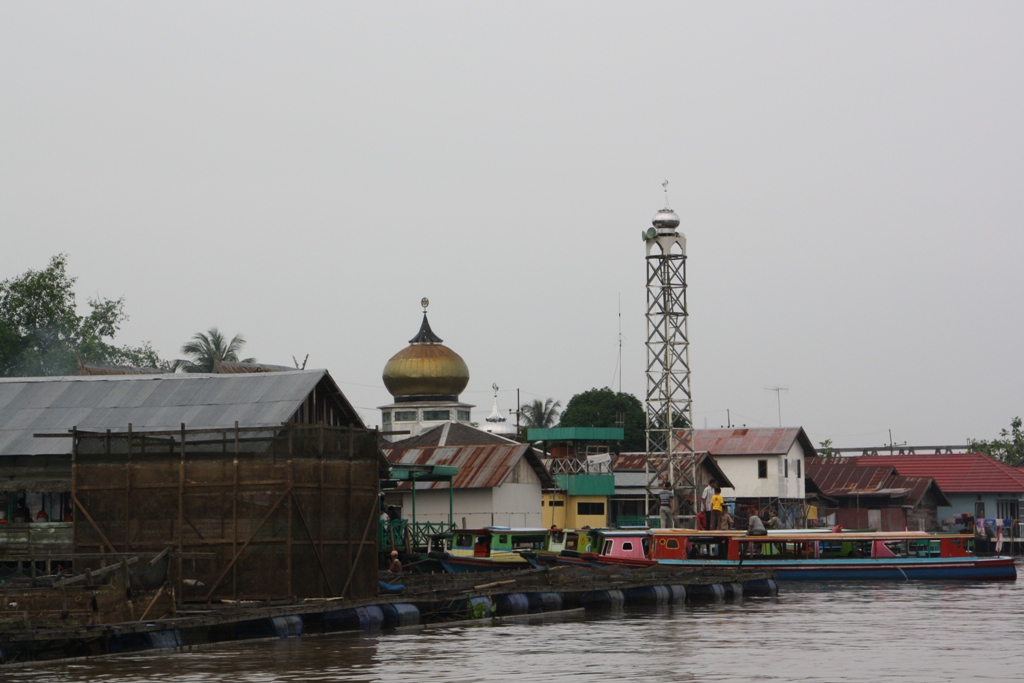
(837, 556)
(490, 549)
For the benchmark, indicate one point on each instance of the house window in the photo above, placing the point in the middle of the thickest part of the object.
(405, 416)
(463, 415)
(386, 417)
(1007, 509)
(979, 509)
(785, 469)
(435, 415)
(762, 469)
(589, 508)
(798, 469)
(556, 503)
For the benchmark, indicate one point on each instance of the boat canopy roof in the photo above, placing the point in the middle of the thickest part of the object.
(850, 536)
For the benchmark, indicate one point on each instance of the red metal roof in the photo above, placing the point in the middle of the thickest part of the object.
(837, 477)
(761, 441)
(627, 462)
(485, 466)
(954, 472)
(847, 478)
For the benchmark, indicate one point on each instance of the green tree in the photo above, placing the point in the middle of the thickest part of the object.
(1008, 449)
(826, 450)
(607, 408)
(41, 332)
(206, 349)
(539, 414)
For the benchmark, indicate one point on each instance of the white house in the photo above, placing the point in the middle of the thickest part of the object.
(498, 484)
(765, 466)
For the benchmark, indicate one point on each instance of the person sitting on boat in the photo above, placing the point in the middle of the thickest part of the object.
(755, 527)
(727, 522)
(773, 521)
(717, 502)
(702, 520)
(396, 564)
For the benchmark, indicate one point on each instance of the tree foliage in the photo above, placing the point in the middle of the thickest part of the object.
(539, 414)
(42, 333)
(1008, 449)
(607, 408)
(206, 349)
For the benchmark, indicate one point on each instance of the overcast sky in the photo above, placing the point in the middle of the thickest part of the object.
(850, 179)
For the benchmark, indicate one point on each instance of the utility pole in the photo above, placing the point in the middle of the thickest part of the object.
(516, 412)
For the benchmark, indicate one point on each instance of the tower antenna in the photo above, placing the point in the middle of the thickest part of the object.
(778, 395)
(619, 362)
(670, 461)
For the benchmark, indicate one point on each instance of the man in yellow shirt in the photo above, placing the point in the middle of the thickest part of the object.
(716, 508)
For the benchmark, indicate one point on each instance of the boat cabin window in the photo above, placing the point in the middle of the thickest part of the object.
(607, 548)
(572, 542)
(439, 543)
(464, 540)
(672, 544)
(503, 539)
(627, 545)
(531, 542)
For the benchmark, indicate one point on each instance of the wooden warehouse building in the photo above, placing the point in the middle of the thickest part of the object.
(263, 485)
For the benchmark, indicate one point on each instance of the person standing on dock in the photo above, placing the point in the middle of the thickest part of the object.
(717, 503)
(665, 506)
(705, 502)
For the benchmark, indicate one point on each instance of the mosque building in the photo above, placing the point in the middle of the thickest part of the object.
(425, 380)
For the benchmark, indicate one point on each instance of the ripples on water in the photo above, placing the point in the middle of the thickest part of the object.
(854, 632)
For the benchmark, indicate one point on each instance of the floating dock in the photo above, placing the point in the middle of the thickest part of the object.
(422, 599)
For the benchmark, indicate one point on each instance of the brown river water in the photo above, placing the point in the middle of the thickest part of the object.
(852, 632)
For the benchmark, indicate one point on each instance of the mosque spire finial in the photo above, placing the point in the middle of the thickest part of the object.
(664, 184)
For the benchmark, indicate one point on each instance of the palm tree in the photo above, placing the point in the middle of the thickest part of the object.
(204, 350)
(539, 414)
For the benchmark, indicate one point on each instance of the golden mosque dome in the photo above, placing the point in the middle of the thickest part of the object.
(426, 369)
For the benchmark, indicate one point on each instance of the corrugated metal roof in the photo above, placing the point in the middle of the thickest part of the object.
(835, 478)
(762, 441)
(147, 402)
(486, 466)
(839, 477)
(954, 472)
(634, 462)
(458, 434)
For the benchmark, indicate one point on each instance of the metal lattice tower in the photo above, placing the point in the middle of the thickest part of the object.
(669, 401)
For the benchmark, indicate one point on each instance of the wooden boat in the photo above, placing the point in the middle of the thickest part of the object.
(490, 549)
(838, 556)
(558, 542)
(620, 547)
